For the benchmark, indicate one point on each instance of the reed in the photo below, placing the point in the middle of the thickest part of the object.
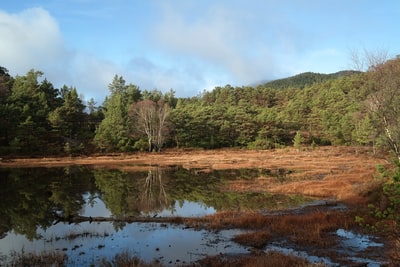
(311, 228)
(256, 239)
(127, 259)
(54, 258)
(270, 259)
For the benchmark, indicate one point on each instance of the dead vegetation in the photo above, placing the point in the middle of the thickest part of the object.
(270, 259)
(328, 172)
(308, 229)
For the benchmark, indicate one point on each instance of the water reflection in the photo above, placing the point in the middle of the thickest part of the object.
(32, 198)
(88, 244)
(40, 204)
(187, 209)
(37, 197)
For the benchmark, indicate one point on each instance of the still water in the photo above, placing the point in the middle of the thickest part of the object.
(33, 201)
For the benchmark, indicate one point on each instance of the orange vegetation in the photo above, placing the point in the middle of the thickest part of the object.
(342, 173)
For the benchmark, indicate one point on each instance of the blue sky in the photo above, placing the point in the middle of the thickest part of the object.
(189, 45)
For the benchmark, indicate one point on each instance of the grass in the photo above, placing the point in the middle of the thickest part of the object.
(270, 259)
(126, 259)
(53, 259)
(56, 259)
(311, 228)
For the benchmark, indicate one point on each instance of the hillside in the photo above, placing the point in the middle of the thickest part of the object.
(307, 78)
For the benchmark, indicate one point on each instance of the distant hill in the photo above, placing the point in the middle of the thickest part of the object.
(307, 78)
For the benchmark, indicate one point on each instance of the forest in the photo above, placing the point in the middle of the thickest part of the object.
(310, 109)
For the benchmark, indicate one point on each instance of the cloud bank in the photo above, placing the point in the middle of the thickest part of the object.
(187, 46)
(32, 39)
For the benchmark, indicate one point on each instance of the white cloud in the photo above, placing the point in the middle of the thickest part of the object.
(152, 74)
(221, 36)
(90, 75)
(32, 39)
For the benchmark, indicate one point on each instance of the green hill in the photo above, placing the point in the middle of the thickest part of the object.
(307, 78)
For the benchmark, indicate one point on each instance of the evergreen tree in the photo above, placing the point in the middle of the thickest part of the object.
(30, 106)
(113, 133)
(70, 120)
(6, 116)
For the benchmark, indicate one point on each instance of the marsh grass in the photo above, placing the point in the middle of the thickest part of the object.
(311, 228)
(270, 259)
(127, 259)
(84, 234)
(22, 258)
(257, 239)
(58, 259)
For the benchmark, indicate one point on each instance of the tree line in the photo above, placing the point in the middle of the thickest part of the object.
(346, 108)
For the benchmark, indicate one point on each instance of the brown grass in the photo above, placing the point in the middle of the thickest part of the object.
(308, 229)
(335, 172)
(270, 259)
(256, 239)
(38, 259)
(126, 259)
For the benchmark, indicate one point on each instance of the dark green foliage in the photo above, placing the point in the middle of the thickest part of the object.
(384, 215)
(328, 109)
(69, 120)
(113, 133)
(29, 103)
(38, 119)
(306, 79)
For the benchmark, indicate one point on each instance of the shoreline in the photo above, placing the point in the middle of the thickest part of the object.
(341, 173)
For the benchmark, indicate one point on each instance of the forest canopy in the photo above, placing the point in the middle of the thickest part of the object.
(344, 108)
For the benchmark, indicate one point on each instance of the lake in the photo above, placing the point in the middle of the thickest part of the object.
(39, 207)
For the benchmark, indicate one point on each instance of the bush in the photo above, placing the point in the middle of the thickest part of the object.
(141, 145)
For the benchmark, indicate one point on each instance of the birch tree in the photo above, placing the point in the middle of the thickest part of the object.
(384, 100)
(150, 120)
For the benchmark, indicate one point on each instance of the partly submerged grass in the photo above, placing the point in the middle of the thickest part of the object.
(127, 259)
(22, 258)
(57, 259)
(310, 228)
(270, 259)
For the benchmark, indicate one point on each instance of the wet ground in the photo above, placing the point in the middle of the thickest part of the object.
(171, 244)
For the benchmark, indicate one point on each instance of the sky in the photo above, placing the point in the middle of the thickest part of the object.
(189, 45)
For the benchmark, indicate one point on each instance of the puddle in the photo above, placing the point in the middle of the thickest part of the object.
(300, 253)
(360, 248)
(357, 248)
(356, 241)
(86, 243)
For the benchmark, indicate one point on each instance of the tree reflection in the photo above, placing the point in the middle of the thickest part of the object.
(154, 196)
(133, 193)
(36, 197)
(39, 197)
(115, 188)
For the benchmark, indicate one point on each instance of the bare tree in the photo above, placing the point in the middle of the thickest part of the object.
(368, 59)
(384, 100)
(383, 88)
(150, 119)
(161, 130)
